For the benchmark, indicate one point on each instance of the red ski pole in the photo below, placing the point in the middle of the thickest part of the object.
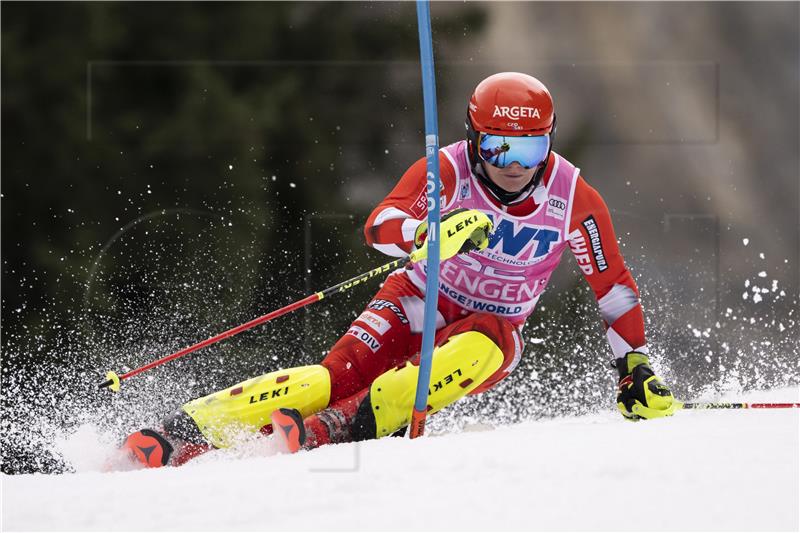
(113, 380)
(711, 405)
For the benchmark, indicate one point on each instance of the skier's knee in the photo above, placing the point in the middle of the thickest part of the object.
(459, 366)
(503, 334)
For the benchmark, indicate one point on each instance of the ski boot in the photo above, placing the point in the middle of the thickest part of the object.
(287, 425)
(344, 421)
(178, 442)
(149, 448)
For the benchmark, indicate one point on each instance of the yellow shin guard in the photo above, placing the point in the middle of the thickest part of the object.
(459, 366)
(248, 405)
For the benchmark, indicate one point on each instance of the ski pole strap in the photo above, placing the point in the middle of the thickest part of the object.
(724, 405)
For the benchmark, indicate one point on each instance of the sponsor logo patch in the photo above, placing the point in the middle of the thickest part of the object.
(276, 393)
(462, 226)
(420, 206)
(596, 243)
(473, 304)
(578, 246)
(365, 337)
(468, 276)
(516, 112)
(447, 380)
(556, 207)
(466, 190)
(521, 241)
(376, 322)
(386, 304)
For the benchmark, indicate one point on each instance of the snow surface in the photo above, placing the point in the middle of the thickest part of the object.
(699, 470)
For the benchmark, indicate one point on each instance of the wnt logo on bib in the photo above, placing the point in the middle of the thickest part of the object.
(515, 240)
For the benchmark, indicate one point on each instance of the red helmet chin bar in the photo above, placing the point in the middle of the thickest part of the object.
(476, 163)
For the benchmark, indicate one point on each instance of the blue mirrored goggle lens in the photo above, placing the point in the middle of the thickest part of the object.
(500, 150)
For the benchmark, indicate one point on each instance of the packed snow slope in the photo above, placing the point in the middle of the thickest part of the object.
(699, 470)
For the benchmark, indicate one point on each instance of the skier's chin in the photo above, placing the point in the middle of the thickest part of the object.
(512, 179)
(513, 182)
(516, 183)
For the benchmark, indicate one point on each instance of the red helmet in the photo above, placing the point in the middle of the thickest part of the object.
(512, 104)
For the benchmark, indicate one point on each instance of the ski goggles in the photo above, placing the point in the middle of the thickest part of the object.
(502, 150)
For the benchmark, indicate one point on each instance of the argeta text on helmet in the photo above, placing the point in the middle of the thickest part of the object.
(516, 112)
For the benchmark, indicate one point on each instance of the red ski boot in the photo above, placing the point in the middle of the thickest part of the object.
(177, 441)
(149, 448)
(347, 420)
(287, 425)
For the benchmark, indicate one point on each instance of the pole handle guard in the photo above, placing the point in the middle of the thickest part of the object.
(112, 382)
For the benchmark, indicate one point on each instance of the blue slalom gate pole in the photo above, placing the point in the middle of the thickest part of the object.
(433, 193)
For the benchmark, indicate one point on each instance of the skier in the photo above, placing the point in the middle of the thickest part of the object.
(505, 174)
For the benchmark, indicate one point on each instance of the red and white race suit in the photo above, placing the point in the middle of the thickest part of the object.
(493, 290)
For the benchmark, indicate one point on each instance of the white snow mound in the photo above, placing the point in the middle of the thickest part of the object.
(698, 470)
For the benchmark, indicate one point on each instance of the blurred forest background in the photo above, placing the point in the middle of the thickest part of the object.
(170, 170)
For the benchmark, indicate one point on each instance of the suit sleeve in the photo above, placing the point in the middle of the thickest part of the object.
(391, 226)
(594, 245)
